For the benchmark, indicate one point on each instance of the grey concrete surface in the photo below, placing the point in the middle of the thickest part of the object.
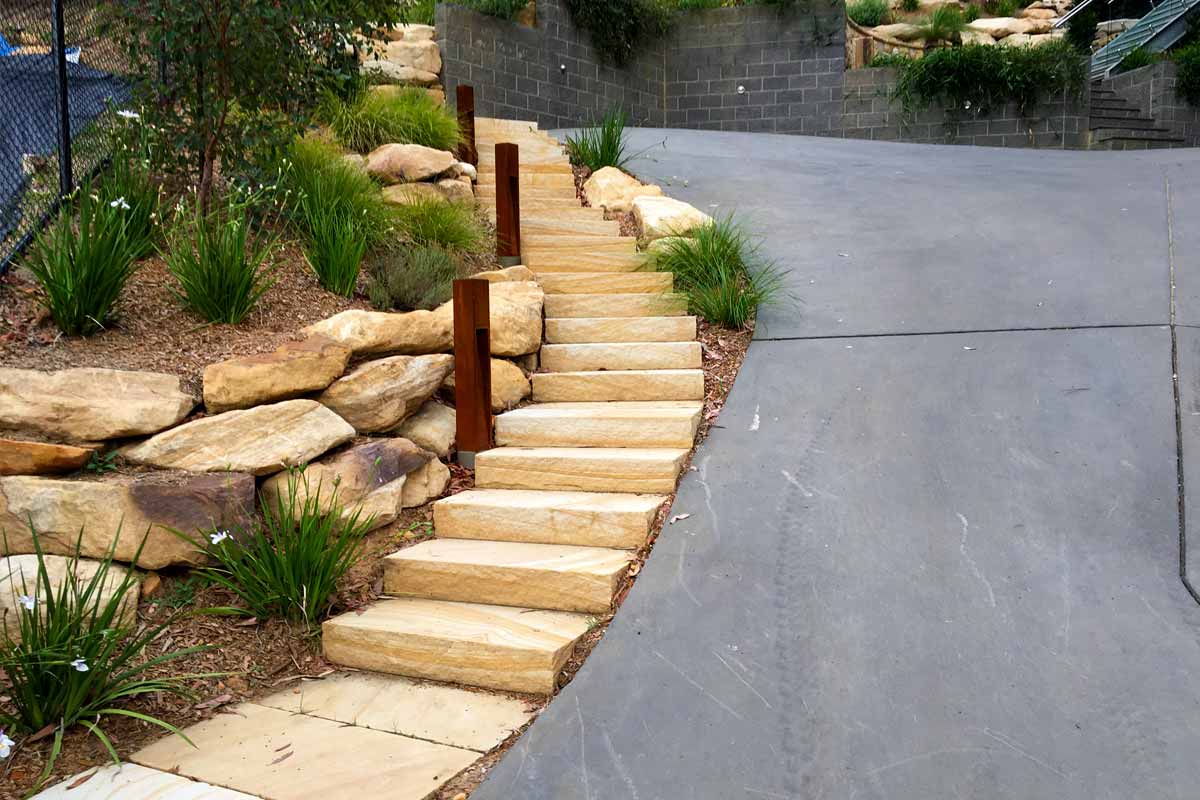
(920, 565)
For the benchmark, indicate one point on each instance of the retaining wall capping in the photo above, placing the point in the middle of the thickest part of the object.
(1152, 90)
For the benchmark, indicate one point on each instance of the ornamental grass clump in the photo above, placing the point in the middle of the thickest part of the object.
(601, 144)
(378, 117)
(83, 263)
(129, 185)
(449, 225)
(290, 564)
(722, 272)
(74, 653)
(411, 277)
(868, 13)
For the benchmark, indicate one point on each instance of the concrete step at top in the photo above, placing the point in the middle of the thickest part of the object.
(584, 260)
(596, 356)
(604, 282)
(615, 305)
(549, 576)
(589, 330)
(639, 470)
(591, 519)
(577, 387)
(491, 646)
(616, 424)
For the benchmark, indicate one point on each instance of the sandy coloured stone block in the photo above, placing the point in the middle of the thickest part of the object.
(585, 469)
(621, 356)
(661, 384)
(590, 330)
(633, 424)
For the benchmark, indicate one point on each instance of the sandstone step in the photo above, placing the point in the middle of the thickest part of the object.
(587, 469)
(570, 246)
(621, 356)
(496, 647)
(549, 576)
(584, 260)
(615, 305)
(606, 282)
(668, 423)
(579, 518)
(661, 384)
(555, 166)
(620, 329)
(487, 194)
(491, 123)
(531, 179)
(561, 223)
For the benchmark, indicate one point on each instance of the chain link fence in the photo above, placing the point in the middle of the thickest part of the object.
(61, 85)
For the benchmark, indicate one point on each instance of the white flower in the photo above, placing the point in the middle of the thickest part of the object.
(127, 114)
(80, 665)
(5, 745)
(218, 537)
(120, 203)
(27, 602)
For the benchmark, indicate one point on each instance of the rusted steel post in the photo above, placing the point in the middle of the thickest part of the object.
(465, 103)
(472, 369)
(508, 204)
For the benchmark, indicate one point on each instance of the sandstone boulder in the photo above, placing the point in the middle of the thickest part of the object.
(414, 33)
(398, 74)
(89, 405)
(40, 458)
(612, 189)
(665, 216)
(1038, 25)
(516, 317)
(517, 273)
(1038, 13)
(367, 479)
(375, 332)
(125, 510)
(406, 163)
(20, 583)
(426, 483)
(260, 440)
(406, 194)
(379, 395)
(464, 170)
(420, 54)
(510, 385)
(457, 190)
(294, 369)
(976, 37)
(1017, 40)
(900, 31)
(1000, 27)
(661, 245)
(433, 427)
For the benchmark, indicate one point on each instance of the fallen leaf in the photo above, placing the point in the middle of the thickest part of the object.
(248, 623)
(81, 780)
(43, 733)
(283, 757)
(678, 517)
(215, 702)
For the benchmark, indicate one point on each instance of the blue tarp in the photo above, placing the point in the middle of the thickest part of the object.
(29, 117)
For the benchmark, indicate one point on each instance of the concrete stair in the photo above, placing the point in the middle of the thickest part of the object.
(641, 470)
(549, 576)
(541, 517)
(491, 646)
(606, 282)
(615, 305)
(641, 384)
(593, 357)
(584, 330)
(617, 424)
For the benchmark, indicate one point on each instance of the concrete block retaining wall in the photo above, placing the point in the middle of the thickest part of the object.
(1152, 90)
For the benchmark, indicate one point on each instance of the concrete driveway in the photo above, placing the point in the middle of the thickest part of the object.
(934, 548)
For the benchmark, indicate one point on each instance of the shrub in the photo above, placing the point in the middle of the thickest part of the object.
(418, 12)
(895, 60)
(404, 116)
(128, 182)
(981, 76)
(1187, 82)
(1081, 30)
(1137, 58)
(451, 226)
(910, 6)
(618, 28)
(220, 267)
(82, 266)
(945, 24)
(868, 13)
(972, 13)
(411, 277)
(722, 272)
(1003, 8)
(290, 566)
(335, 251)
(601, 144)
(80, 653)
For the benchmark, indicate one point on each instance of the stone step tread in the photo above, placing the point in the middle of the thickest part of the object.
(496, 647)
(1126, 123)
(1159, 134)
(589, 357)
(594, 519)
(616, 305)
(606, 282)
(593, 330)
(599, 385)
(242, 750)
(615, 424)
(128, 781)
(583, 260)
(545, 167)
(548, 576)
(639, 470)
(541, 247)
(580, 226)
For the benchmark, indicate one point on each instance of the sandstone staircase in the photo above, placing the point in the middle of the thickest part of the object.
(522, 563)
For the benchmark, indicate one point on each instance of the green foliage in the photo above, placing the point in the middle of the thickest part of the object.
(386, 115)
(1187, 80)
(1081, 30)
(972, 13)
(243, 72)
(868, 13)
(290, 565)
(910, 6)
(221, 268)
(601, 144)
(83, 265)
(1137, 58)
(78, 655)
(722, 272)
(418, 12)
(99, 463)
(619, 28)
(945, 24)
(1003, 8)
(421, 12)
(411, 277)
(451, 226)
(896, 60)
(128, 182)
(979, 77)
(335, 251)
